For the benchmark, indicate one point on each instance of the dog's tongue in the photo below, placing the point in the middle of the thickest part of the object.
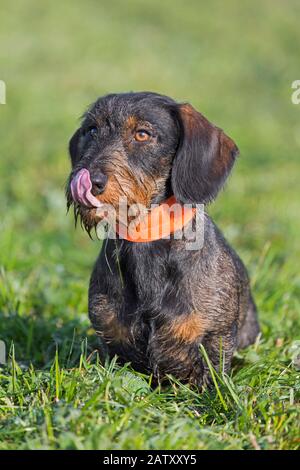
(81, 186)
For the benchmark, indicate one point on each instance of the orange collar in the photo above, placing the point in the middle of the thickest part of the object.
(160, 222)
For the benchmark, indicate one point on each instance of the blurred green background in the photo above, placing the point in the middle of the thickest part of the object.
(234, 61)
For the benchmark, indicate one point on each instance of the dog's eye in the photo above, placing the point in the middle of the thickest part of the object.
(142, 135)
(92, 131)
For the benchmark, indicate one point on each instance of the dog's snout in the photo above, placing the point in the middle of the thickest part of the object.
(99, 181)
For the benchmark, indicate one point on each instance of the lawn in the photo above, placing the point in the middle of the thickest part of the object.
(235, 61)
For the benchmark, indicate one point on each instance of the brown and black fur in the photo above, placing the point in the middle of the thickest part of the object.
(154, 303)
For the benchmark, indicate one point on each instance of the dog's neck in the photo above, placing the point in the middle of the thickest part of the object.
(160, 222)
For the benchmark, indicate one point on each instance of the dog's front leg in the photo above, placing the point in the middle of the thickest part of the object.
(175, 349)
(169, 357)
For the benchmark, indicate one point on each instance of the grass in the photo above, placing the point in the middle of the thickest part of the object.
(236, 64)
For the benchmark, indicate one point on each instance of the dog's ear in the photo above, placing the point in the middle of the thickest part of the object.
(74, 146)
(204, 158)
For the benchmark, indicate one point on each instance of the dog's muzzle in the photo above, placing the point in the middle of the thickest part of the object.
(81, 189)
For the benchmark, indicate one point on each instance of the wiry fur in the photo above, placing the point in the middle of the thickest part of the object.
(153, 304)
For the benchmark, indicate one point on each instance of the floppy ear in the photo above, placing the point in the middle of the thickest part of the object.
(204, 158)
(74, 146)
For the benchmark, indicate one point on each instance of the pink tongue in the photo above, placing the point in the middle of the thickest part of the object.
(81, 186)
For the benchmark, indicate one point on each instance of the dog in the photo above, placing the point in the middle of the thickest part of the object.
(154, 303)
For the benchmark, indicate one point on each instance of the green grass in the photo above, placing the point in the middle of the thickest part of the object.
(235, 61)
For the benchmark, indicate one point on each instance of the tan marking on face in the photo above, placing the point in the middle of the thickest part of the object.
(124, 182)
(131, 122)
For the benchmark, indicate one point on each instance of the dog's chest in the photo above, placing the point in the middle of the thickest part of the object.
(146, 277)
(143, 287)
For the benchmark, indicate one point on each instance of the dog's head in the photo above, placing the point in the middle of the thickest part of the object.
(145, 147)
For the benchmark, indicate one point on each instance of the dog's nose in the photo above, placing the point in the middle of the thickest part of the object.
(99, 181)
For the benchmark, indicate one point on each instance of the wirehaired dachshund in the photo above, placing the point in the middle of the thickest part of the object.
(154, 303)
